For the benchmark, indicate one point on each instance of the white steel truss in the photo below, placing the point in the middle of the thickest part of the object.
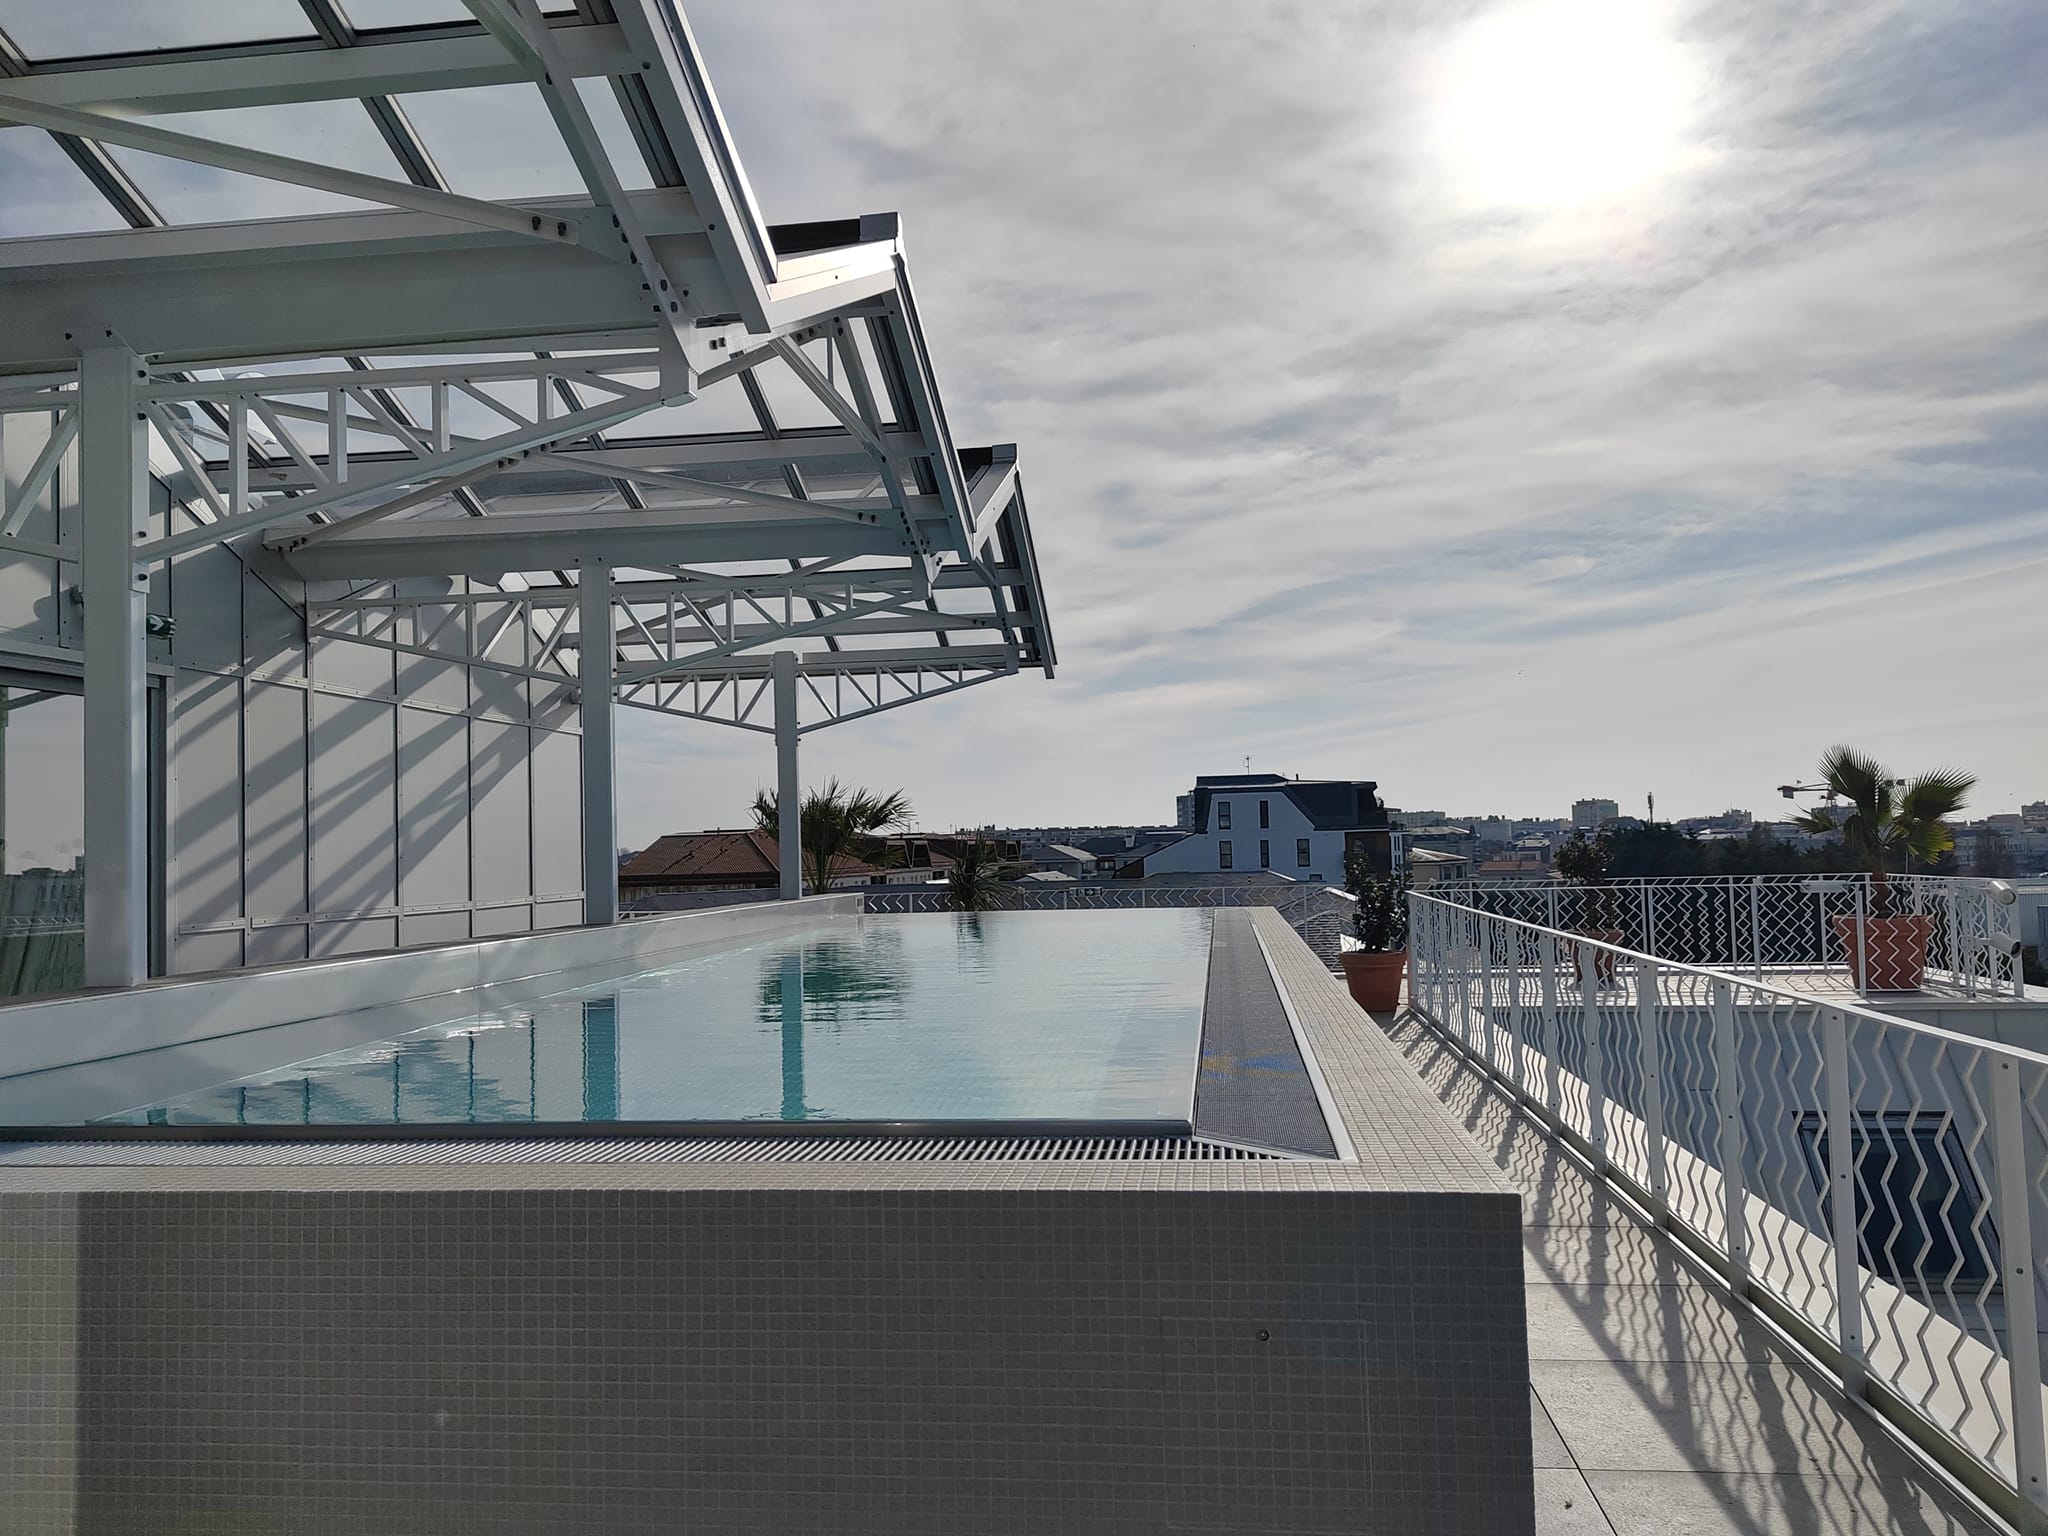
(445, 416)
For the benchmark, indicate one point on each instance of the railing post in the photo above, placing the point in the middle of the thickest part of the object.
(1842, 1221)
(1464, 1020)
(1514, 1009)
(1651, 1045)
(2017, 1261)
(1485, 936)
(1951, 898)
(1756, 927)
(1596, 1059)
(1646, 914)
(1728, 1102)
(1862, 936)
(1547, 956)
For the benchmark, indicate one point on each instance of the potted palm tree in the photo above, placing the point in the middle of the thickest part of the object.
(1380, 924)
(1890, 824)
(837, 822)
(975, 882)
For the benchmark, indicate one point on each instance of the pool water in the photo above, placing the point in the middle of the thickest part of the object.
(1010, 1016)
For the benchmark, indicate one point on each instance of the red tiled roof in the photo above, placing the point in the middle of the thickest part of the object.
(708, 856)
(705, 856)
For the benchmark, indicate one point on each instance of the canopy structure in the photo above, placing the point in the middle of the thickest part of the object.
(466, 413)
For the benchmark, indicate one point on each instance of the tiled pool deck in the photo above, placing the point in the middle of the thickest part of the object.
(1659, 1407)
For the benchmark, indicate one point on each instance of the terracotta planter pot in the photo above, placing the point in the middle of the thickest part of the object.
(1893, 948)
(1374, 977)
(1603, 960)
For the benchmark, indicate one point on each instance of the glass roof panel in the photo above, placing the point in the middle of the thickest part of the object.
(337, 133)
(495, 141)
(367, 14)
(721, 408)
(791, 399)
(602, 103)
(46, 193)
(44, 30)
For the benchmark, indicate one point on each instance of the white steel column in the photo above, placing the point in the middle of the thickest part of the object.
(113, 500)
(788, 790)
(594, 650)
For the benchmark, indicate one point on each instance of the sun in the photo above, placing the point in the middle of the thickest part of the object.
(1552, 103)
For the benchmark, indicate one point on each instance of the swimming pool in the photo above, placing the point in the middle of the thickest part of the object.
(944, 1018)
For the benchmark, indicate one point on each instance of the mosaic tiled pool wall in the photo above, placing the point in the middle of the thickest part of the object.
(799, 1359)
(1257, 1346)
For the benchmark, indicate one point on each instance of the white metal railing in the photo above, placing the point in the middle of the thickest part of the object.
(1878, 1186)
(1781, 924)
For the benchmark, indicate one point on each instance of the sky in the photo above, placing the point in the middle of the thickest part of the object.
(1507, 403)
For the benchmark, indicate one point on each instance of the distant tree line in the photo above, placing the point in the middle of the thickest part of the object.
(1662, 849)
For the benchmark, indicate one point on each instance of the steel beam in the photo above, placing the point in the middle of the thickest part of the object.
(788, 785)
(113, 495)
(600, 813)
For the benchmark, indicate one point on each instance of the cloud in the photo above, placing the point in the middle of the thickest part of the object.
(1499, 505)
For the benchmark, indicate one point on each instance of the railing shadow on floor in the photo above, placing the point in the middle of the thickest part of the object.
(1762, 1418)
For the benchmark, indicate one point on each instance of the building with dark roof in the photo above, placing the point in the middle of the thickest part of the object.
(1304, 829)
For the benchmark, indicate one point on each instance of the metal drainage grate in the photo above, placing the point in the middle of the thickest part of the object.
(726, 1149)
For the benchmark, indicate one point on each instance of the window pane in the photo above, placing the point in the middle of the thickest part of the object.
(364, 14)
(494, 141)
(46, 194)
(45, 30)
(42, 906)
(337, 133)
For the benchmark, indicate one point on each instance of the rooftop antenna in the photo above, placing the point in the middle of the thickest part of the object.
(1653, 805)
(1247, 764)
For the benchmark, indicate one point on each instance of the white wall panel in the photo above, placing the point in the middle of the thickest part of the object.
(433, 809)
(503, 920)
(354, 938)
(433, 928)
(357, 668)
(206, 795)
(354, 805)
(557, 768)
(274, 799)
(206, 589)
(277, 944)
(195, 952)
(273, 632)
(501, 808)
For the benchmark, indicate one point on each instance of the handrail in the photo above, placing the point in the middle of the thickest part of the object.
(1964, 939)
(1792, 995)
(1875, 1185)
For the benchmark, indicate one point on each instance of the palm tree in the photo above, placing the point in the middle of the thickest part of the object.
(837, 822)
(1891, 823)
(975, 882)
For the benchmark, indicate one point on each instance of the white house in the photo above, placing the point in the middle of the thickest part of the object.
(1301, 828)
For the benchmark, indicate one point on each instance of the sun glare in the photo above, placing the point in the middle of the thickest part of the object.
(1550, 103)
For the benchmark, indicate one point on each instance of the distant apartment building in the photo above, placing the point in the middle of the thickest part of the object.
(1184, 812)
(1298, 828)
(1590, 815)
